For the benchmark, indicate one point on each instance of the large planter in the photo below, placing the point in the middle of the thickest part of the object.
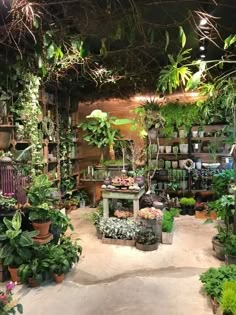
(167, 238)
(33, 283)
(14, 274)
(5, 138)
(152, 224)
(146, 247)
(112, 241)
(230, 260)
(58, 278)
(218, 248)
(42, 227)
(205, 215)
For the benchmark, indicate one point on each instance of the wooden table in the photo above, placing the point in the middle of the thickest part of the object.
(134, 195)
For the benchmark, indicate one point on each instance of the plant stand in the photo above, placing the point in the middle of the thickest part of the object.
(45, 240)
(134, 195)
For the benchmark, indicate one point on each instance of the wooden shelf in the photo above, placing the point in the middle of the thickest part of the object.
(204, 154)
(7, 126)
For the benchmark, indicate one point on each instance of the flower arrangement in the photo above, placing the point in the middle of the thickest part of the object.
(122, 214)
(123, 181)
(7, 304)
(150, 213)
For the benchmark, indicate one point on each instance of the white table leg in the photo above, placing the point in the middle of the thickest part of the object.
(136, 207)
(105, 208)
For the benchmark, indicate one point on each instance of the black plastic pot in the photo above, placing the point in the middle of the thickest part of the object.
(183, 211)
(191, 211)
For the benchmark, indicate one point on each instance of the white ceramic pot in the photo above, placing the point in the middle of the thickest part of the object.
(201, 134)
(161, 148)
(175, 149)
(175, 134)
(184, 185)
(165, 186)
(168, 148)
(160, 185)
(199, 165)
(183, 148)
(181, 163)
(194, 134)
(174, 164)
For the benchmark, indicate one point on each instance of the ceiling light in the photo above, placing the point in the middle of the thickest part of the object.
(203, 22)
(202, 56)
(202, 47)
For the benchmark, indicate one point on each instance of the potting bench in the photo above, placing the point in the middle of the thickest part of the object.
(121, 194)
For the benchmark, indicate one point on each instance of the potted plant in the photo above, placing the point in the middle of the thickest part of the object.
(7, 304)
(60, 265)
(150, 218)
(187, 206)
(100, 131)
(118, 232)
(17, 246)
(146, 240)
(40, 198)
(218, 242)
(59, 224)
(95, 217)
(230, 249)
(33, 272)
(168, 226)
(202, 211)
(228, 298)
(7, 203)
(72, 250)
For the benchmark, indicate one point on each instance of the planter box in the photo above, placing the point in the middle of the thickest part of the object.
(167, 238)
(218, 249)
(146, 247)
(204, 215)
(113, 241)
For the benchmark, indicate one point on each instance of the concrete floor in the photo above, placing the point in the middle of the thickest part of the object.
(113, 279)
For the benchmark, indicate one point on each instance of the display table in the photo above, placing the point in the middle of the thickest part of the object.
(134, 195)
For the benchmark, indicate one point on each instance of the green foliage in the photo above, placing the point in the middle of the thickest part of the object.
(7, 203)
(60, 221)
(147, 237)
(175, 74)
(168, 220)
(220, 182)
(177, 116)
(40, 197)
(230, 40)
(189, 202)
(71, 249)
(214, 278)
(228, 299)
(230, 245)
(99, 129)
(118, 229)
(17, 244)
(224, 208)
(97, 215)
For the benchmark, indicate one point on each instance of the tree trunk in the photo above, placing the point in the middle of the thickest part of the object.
(111, 152)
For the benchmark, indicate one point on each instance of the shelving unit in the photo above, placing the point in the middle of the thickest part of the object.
(212, 147)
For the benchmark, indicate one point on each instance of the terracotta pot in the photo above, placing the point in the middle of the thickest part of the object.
(33, 283)
(58, 278)
(5, 138)
(42, 227)
(14, 274)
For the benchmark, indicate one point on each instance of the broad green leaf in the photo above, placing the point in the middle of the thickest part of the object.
(119, 122)
(8, 223)
(6, 251)
(182, 37)
(229, 41)
(16, 221)
(51, 51)
(25, 240)
(36, 23)
(19, 308)
(11, 234)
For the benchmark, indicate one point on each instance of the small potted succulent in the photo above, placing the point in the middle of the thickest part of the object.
(187, 206)
(150, 218)
(123, 214)
(146, 240)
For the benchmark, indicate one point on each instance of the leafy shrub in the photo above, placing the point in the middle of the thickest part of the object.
(188, 202)
(228, 300)
(119, 228)
(168, 220)
(214, 278)
(146, 237)
(230, 248)
(220, 182)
